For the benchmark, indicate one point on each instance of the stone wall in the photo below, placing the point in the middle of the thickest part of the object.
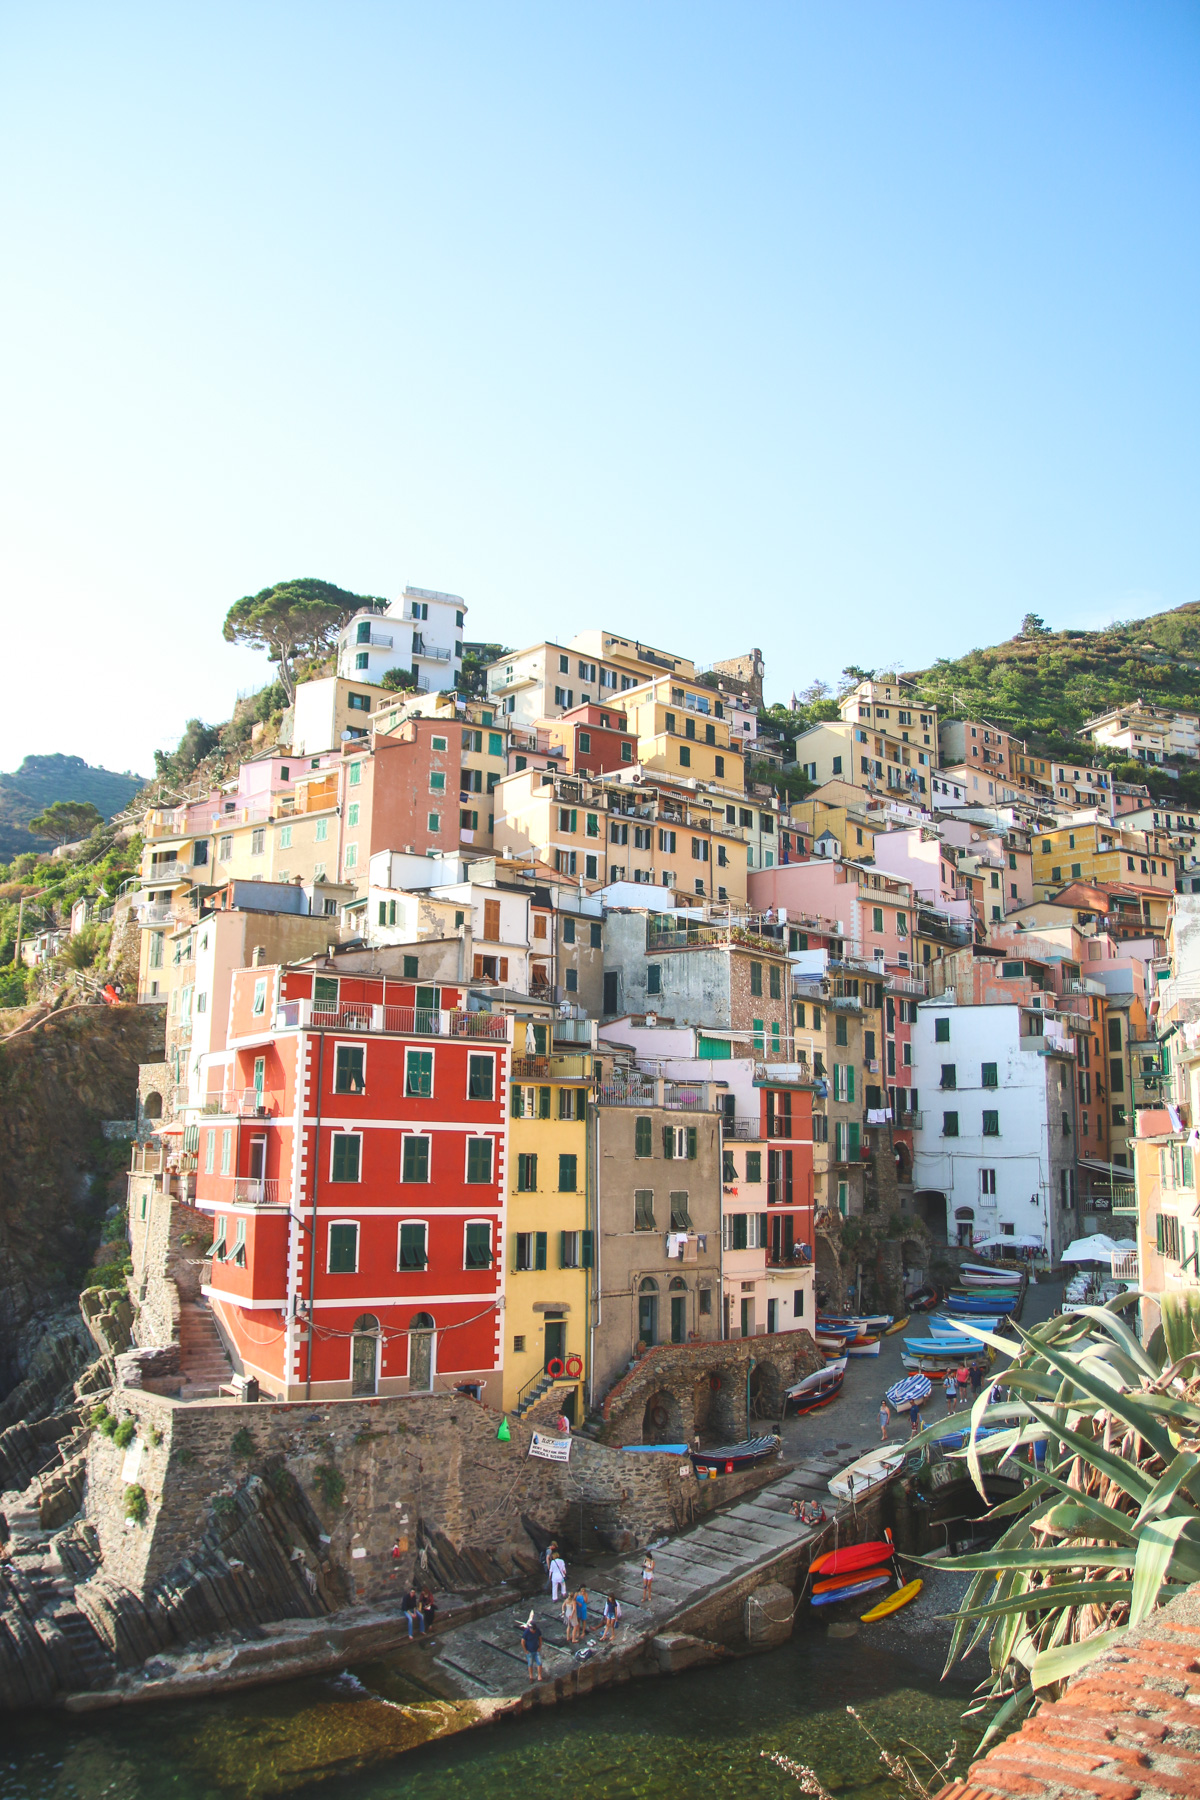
(167, 1240)
(678, 1392)
(421, 1469)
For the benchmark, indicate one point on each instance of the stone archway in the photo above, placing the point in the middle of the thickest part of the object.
(929, 1204)
(662, 1420)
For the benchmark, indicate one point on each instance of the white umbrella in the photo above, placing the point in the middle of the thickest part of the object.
(1096, 1248)
(1031, 1241)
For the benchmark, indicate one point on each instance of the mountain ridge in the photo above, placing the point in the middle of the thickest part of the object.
(42, 779)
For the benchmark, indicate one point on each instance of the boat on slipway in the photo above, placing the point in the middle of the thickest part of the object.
(727, 1459)
(817, 1390)
(869, 1472)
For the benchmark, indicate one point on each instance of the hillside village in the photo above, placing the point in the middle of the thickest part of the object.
(512, 1032)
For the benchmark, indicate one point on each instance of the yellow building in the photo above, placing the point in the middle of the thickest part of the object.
(596, 830)
(1098, 851)
(682, 731)
(550, 1233)
(847, 825)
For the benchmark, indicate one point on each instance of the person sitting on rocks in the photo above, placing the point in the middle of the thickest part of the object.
(412, 1612)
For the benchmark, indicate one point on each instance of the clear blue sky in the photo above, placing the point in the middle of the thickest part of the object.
(849, 330)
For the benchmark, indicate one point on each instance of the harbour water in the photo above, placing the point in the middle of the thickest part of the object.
(700, 1733)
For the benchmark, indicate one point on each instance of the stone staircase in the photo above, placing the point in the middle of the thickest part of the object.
(533, 1396)
(202, 1355)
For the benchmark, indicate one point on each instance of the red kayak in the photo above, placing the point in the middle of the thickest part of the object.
(853, 1556)
(850, 1579)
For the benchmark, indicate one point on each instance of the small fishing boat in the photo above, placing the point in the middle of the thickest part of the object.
(923, 1303)
(853, 1556)
(988, 1272)
(863, 1346)
(851, 1593)
(867, 1473)
(895, 1326)
(914, 1390)
(729, 1458)
(970, 1307)
(829, 1584)
(859, 1322)
(893, 1602)
(817, 1390)
(828, 1340)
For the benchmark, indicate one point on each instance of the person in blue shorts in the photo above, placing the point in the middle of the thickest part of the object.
(581, 1606)
(531, 1638)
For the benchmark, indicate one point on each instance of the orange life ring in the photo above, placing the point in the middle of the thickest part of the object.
(554, 1367)
(574, 1367)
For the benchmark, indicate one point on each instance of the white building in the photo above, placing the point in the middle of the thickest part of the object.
(995, 1150)
(421, 633)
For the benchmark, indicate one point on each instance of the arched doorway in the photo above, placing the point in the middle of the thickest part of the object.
(647, 1326)
(420, 1353)
(364, 1355)
(679, 1310)
(930, 1207)
(964, 1226)
(662, 1421)
(152, 1106)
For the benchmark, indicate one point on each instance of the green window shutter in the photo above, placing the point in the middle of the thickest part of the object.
(738, 1222)
(762, 1230)
(585, 1249)
(852, 1139)
(691, 1143)
(419, 1074)
(516, 1105)
(566, 1174)
(479, 1246)
(543, 1103)
(412, 1247)
(564, 1261)
(416, 1159)
(343, 1249)
(643, 1137)
(539, 1249)
(479, 1085)
(479, 1159)
(345, 1156)
(850, 1082)
(668, 1142)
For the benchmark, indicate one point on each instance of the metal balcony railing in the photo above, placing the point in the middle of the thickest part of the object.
(156, 874)
(429, 652)
(1125, 1266)
(155, 914)
(242, 1190)
(402, 1021)
(243, 1103)
(1124, 1197)
(570, 1066)
(743, 1131)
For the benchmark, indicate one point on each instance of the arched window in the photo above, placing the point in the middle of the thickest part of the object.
(649, 1286)
(678, 1283)
(152, 1106)
(366, 1322)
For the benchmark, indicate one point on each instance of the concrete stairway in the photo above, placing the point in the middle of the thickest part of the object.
(201, 1353)
(484, 1658)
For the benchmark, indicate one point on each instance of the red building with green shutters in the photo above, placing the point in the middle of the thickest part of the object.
(352, 1156)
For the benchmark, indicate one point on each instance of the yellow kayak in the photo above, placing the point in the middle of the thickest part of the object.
(898, 1326)
(894, 1602)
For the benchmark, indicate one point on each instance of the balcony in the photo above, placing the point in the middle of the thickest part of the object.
(162, 873)
(399, 1021)
(1124, 1197)
(243, 1190)
(429, 652)
(742, 1131)
(243, 1103)
(571, 1066)
(1125, 1265)
(153, 913)
(674, 1095)
(782, 1074)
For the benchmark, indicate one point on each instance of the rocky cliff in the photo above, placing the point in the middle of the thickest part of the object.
(58, 1177)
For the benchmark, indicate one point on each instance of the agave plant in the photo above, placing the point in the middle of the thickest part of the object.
(1107, 1527)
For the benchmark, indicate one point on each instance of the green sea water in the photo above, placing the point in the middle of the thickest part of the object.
(699, 1733)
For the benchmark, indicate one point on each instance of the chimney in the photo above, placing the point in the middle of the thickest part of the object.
(258, 956)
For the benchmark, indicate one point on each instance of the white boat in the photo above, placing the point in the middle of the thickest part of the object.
(979, 1275)
(867, 1347)
(869, 1472)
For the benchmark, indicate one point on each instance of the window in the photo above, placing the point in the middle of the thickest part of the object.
(411, 967)
(988, 1076)
(754, 1165)
(260, 997)
(949, 1124)
(218, 1244)
(226, 1152)
(478, 1245)
(877, 920)
(991, 1124)
(321, 834)
(414, 1159)
(949, 1076)
(719, 765)
(434, 821)
(654, 978)
(987, 1181)
(355, 774)
(479, 1159)
(685, 757)
(941, 1031)
(527, 1173)
(681, 1218)
(351, 857)
(666, 842)
(531, 1251)
(567, 1183)
(595, 937)
(441, 743)
(776, 983)
(570, 1103)
(643, 1209)
(413, 1251)
(285, 837)
(481, 1077)
(840, 1030)
(572, 981)
(418, 1074)
(343, 1249)
(1114, 1034)
(349, 1075)
(437, 785)
(679, 1142)
(643, 1137)
(346, 1156)
(756, 986)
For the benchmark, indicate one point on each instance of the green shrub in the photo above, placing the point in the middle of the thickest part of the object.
(154, 1437)
(137, 1506)
(241, 1443)
(108, 1425)
(98, 1415)
(125, 1433)
(331, 1482)
(223, 1504)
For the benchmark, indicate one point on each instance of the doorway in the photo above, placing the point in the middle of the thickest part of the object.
(420, 1354)
(648, 1312)
(772, 1316)
(679, 1310)
(747, 1318)
(364, 1355)
(556, 1342)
